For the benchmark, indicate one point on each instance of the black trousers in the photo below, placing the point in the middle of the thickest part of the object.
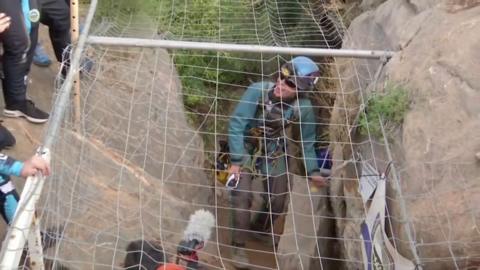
(16, 50)
(19, 45)
(276, 187)
(56, 15)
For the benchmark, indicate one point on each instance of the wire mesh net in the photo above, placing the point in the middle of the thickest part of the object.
(144, 158)
(282, 23)
(153, 121)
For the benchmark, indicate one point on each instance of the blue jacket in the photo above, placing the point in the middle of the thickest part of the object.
(246, 116)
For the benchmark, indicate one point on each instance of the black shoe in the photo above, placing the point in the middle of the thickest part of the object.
(6, 138)
(28, 110)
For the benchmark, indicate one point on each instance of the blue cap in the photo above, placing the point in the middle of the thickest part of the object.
(304, 66)
(305, 72)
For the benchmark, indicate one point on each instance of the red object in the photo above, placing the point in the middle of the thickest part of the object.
(171, 266)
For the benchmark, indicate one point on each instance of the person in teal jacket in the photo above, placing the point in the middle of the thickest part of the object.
(257, 144)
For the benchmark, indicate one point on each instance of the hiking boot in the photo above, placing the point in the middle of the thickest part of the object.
(239, 257)
(6, 138)
(40, 57)
(28, 110)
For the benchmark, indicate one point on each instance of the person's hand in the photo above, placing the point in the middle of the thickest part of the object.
(233, 177)
(4, 22)
(33, 165)
(319, 181)
(234, 169)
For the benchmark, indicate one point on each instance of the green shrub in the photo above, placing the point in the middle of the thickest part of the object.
(201, 71)
(390, 106)
(200, 74)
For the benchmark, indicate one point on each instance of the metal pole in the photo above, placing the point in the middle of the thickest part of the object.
(21, 226)
(74, 30)
(403, 208)
(35, 247)
(62, 100)
(12, 247)
(175, 44)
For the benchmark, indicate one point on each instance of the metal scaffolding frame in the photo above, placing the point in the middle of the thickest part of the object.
(24, 227)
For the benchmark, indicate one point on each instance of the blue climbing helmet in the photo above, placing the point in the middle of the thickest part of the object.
(301, 72)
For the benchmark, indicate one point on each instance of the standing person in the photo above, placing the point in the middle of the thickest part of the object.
(19, 43)
(6, 138)
(56, 15)
(257, 143)
(17, 51)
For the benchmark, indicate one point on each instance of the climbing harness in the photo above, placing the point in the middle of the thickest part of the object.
(265, 140)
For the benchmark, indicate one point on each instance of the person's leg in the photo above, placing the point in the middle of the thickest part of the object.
(56, 15)
(15, 46)
(6, 138)
(18, 45)
(241, 202)
(276, 188)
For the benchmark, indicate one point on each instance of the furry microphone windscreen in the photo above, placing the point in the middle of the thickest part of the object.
(199, 226)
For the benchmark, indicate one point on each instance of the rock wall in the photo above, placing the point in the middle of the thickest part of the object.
(306, 242)
(134, 170)
(437, 61)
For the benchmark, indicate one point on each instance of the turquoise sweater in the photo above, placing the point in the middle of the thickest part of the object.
(10, 166)
(245, 117)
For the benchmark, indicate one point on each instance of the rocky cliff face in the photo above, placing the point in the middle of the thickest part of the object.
(134, 171)
(135, 134)
(437, 61)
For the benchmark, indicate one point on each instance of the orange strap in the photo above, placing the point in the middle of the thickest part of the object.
(171, 266)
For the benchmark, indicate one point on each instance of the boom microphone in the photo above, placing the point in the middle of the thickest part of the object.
(199, 226)
(198, 232)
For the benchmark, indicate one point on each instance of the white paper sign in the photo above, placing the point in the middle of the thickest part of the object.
(378, 253)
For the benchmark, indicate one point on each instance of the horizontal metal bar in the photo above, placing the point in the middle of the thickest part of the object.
(175, 44)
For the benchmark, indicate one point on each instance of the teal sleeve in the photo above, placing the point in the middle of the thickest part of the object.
(10, 166)
(309, 135)
(16, 168)
(243, 114)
